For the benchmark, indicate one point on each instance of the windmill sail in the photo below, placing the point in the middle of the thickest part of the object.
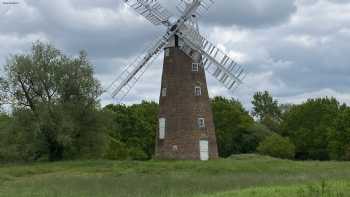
(132, 73)
(202, 8)
(152, 10)
(215, 61)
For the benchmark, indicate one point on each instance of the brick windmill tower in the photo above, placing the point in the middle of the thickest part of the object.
(186, 130)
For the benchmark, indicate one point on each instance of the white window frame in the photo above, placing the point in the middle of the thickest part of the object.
(198, 91)
(201, 123)
(167, 52)
(162, 128)
(164, 92)
(195, 67)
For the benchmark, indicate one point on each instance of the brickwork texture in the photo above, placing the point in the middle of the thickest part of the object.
(181, 108)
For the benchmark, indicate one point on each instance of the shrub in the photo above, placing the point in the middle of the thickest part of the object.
(116, 150)
(277, 146)
(255, 134)
(347, 153)
(137, 154)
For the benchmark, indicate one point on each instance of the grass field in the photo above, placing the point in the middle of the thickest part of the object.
(241, 176)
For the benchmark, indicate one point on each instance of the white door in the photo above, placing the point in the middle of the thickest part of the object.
(204, 150)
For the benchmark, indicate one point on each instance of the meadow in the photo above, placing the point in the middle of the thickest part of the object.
(241, 176)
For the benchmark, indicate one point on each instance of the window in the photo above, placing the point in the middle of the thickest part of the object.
(195, 67)
(201, 123)
(198, 91)
(162, 122)
(167, 52)
(164, 92)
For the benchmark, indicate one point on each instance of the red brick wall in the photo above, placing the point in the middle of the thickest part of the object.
(182, 108)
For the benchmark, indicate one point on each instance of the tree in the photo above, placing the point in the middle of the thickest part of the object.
(277, 146)
(267, 110)
(232, 124)
(314, 128)
(133, 130)
(265, 106)
(58, 96)
(6, 152)
(339, 147)
(256, 133)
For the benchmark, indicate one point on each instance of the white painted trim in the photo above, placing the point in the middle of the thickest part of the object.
(204, 150)
(162, 127)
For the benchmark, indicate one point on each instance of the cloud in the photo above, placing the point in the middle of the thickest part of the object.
(251, 13)
(293, 48)
(14, 45)
(298, 99)
(103, 31)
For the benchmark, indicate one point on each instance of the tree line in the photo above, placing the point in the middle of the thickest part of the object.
(53, 113)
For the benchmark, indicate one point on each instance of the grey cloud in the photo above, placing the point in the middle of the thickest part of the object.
(294, 48)
(294, 60)
(339, 1)
(103, 32)
(250, 13)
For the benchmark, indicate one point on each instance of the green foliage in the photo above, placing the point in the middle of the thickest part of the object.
(265, 107)
(56, 115)
(116, 150)
(277, 146)
(6, 150)
(235, 129)
(137, 154)
(23, 139)
(347, 153)
(55, 101)
(135, 127)
(256, 133)
(319, 128)
(341, 134)
(267, 110)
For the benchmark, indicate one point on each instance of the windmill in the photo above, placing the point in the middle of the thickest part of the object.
(186, 129)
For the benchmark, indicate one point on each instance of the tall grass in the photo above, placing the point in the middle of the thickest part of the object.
(322, 189)
(241, 175)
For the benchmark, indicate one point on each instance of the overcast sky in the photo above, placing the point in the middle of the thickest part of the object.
(296, 49)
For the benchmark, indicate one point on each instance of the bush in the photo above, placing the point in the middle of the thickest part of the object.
(116, 150)
(137, 154)
(347, 153)
(277, 146)
(254, 135)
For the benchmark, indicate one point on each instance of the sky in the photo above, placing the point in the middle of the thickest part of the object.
(296, 49)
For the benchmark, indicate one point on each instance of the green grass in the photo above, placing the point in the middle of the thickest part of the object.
(323, 189)
(241, 176)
